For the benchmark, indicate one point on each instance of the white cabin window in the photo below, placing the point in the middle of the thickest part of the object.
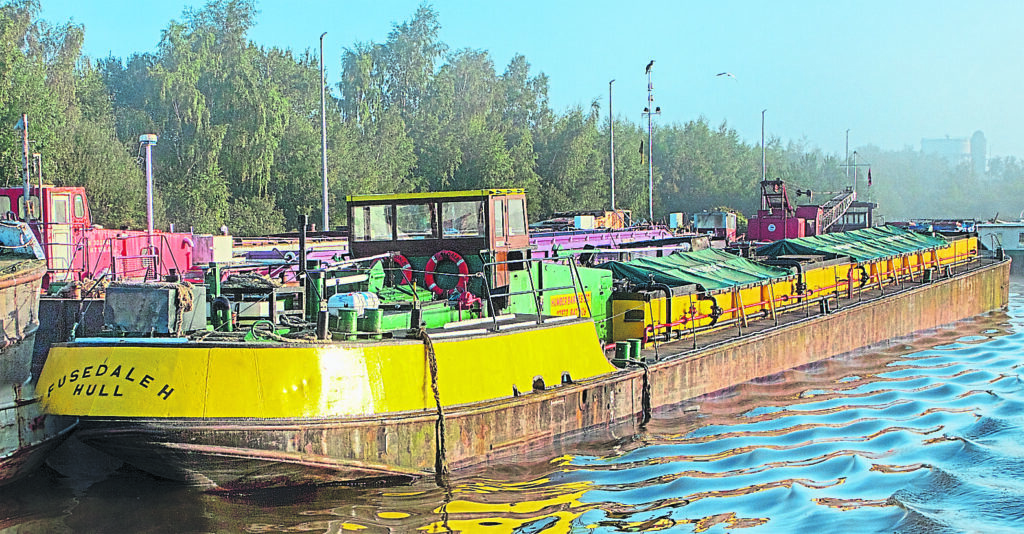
(415, 221)
(33, 207)
(516, 217)
(463, 219)
(372, 223)
(499, 218)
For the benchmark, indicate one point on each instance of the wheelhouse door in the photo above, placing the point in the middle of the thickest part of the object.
(59, 243)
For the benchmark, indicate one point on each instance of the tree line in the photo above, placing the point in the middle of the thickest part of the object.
(239, 128)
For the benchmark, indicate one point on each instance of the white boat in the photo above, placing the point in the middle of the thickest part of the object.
(27, 434)
(1007, 236)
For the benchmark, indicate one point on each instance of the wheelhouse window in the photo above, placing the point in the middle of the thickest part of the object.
(855, 218)
(59, 209)
(33, 206)
(372, 223)
(415, 221)
(5, 205)
(499, 218)
(1020, 239)
(516, 217)
(79, 207)
(462, 219)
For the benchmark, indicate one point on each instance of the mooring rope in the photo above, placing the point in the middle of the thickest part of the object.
(645, 392)
(441, 457)
(645, 397)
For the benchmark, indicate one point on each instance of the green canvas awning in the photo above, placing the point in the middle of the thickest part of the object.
(712, 269)
(862, 245)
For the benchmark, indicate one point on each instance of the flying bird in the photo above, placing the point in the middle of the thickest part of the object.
(729, 74)
(649, 65)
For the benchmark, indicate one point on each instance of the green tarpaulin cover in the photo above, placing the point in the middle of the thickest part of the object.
(862, 245)
(712, 269)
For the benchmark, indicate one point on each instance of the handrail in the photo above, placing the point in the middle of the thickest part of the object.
(574, 276)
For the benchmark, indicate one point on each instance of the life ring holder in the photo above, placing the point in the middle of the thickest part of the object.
(430, 271)
(403, 265)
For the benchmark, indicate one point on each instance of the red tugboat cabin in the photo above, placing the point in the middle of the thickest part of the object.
(76, 249)
(58, 221)
(452, 232)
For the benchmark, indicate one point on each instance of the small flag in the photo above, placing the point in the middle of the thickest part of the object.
(869, 176)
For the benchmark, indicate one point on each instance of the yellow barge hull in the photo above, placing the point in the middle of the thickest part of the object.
(271, 441)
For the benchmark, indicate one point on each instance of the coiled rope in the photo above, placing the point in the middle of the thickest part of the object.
(441, 456)
(184, 302)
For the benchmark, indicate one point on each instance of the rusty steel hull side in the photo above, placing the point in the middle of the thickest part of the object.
(27, 435)
(237, 454)
(232, 453)
(19, 308)
(896, 315)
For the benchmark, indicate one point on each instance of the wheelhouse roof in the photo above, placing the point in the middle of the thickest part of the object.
(434, 195)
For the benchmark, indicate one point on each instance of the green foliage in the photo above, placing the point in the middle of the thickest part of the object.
(256, 216)
(240, 129)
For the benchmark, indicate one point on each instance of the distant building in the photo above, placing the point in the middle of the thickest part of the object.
(957, 150)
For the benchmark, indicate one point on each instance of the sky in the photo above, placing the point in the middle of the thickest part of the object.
(885, 73)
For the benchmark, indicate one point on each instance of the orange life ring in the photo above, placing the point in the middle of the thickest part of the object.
(403, 264)
(453, 257)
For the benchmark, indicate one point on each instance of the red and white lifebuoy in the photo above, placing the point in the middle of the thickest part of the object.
(403, 264)
(441, 256)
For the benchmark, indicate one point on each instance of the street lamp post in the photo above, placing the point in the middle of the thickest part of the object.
(323, 133)
(148, 140)
(611, 136)
(650, 141)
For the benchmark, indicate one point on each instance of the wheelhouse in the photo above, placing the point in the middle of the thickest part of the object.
(57, 215)
(479, 226)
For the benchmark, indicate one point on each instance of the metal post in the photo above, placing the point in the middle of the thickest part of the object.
(764, 173)
(763, 168)
(650, 150)
(149, 191)
(323, 133)
(148, 140)
(854, 171)
(27, 174)
(847, 154)
(39, 171)
(611, 136)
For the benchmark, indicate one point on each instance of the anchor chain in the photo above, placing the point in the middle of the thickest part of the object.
(440, 459)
